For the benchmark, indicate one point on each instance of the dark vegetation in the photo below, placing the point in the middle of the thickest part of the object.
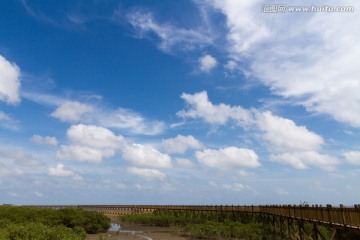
(207, 225)
(29, 223)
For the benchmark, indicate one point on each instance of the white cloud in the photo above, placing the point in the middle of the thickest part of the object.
(229, 157)
(94, 136)
(8, 122)
(302, 160)
(71, 111)
(60, 171)
(19, 157)
(4, 117)
(312, 63)
(129, 120)
(207, 63)
(170, 35)
(201, 107)
(231, 65)
(39, 194)
(16, 162)
(353, 157)
(7, 171)
(237, 187)
(90, 143)
(185, 163)
(147, 173)
(282, 137)
(180, 144)
(120, 118)
(243, 173)
(292, 144)
(83, 153)
(44, 140)
(145, 156)
(9, 82)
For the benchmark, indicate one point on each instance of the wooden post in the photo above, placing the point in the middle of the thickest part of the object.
(300, 226)
(342, 214)
(315, 231)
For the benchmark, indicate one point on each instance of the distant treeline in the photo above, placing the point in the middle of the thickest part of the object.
(30, 223)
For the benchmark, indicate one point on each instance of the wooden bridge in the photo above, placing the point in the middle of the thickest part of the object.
(290, 220)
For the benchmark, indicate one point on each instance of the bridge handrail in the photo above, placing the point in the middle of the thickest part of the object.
(341, 215)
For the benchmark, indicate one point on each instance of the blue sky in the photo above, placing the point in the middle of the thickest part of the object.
(178, 102)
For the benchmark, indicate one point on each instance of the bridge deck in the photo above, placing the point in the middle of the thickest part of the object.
(341, 216)
(346, 217)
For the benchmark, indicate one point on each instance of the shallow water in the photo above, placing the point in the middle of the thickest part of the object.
(115, 227)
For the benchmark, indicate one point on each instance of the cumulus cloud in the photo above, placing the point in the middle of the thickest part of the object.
(207, 63)
(292, 144)
(147, 173)
(94, 136)
(44, 140)
(83, 153)
(90, 143)
(9, 82)
(353, 157)
(312, 63)
(229, 157)
(170, 35)
(281, 136)
(180, 144)
(284, 135)
(71, 111)
(145, 156)
(201, 107)
(61, 171)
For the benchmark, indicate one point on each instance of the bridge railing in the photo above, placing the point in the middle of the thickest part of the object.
(333, 216)
(343, 216)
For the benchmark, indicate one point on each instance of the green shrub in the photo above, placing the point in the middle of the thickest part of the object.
(38, 231)
(17, 223)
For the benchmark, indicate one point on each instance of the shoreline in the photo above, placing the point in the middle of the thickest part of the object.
(130, 231)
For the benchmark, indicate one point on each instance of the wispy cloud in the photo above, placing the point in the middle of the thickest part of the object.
(170, 36)
(310, 59)
(8, 122)
(44, 140)
(147, 173)
(90, 110)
